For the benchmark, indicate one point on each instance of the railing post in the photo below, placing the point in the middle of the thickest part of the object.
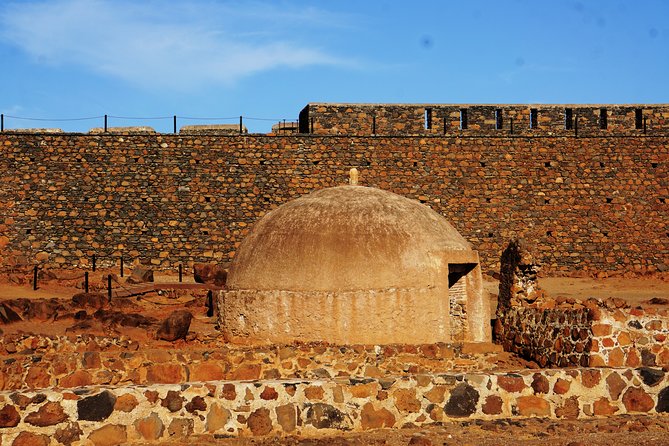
(576, 125)
(2, 122)
(35, 278)
(109, 288)
(121, 266)
(181, 272)
(175, 124)
(86, 282)
(240, 125)
(105, 123)
(373, 124)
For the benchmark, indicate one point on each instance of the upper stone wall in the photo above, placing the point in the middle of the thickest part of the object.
(495, 119)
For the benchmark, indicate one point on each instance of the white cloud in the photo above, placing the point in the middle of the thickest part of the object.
(167, 44)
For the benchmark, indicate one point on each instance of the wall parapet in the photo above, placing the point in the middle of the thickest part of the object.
(307, 408)
(491, 119)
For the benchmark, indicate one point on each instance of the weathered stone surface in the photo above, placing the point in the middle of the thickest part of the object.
(206, 372)
(269, 393)
(151, 427)
(636, 399)
(590, 377)
(69, 434)
(8, 315)
(420, 440)
(511, 383)
(175, 326)
(228, 392)
(493, 405)
(314, 393)
(246, 372)
(181, 428)
(217, 418)
(540, 383)
(38, 378)
(9, 416)
(371, 418)
(533, 406)
(406, 401)
(462, 402)
(663, 401)
(109, 435)
(259, 422)
(616, 385)
(166, 373)
(325, 416)
(173, 401)
(97, 407)
(603, 407)
(286, 416)
(651, 377)
(126, 403)
(570, 409)
(561, 386)
(90, 300)
(30, 439)
(365, 390)
(48, 414)
(140, 274)
(78, 378)
(209, 273)
(435, 394)
(197, 403)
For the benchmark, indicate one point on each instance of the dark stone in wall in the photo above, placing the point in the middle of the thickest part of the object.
(325, 416)
(651, 377)
(97, 407)
(663, 401)
(462, 402)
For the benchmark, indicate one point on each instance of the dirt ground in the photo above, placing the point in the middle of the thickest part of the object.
(614, 431)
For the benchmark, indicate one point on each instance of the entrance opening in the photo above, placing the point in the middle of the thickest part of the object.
(457, 295)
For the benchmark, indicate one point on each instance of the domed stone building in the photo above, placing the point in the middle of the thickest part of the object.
(354, 265)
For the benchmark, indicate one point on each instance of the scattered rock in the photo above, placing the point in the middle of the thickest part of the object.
(658, 301)
(175, 326)
(8, 315)
(140, 274)
(210, 273)
(90, 300)
(419, 440)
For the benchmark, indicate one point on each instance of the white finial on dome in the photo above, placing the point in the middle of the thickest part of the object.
(353, 177)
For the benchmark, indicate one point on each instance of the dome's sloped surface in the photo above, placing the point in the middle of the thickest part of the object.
(345, 238)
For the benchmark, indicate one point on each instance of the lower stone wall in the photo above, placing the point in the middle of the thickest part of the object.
(115, 415)
(550, 337)
(630, 337)
(592, 333)
(35, 362)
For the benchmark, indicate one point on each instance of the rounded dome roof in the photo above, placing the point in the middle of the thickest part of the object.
(345, 238)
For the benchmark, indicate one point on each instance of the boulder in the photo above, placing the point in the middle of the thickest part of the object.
(140, 274)
(210, 273)
(90, 300)
(8, 315)
(175, 326)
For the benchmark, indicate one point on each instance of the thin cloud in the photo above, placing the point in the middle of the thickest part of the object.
(165, 44)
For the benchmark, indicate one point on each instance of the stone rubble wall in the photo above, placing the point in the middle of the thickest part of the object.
(589, 204)
(410, 119)
(630, 337)
(37, 362)
(143, 414)
(549, 337)
(593, 335)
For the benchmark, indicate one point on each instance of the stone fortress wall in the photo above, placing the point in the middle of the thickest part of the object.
(593, 203)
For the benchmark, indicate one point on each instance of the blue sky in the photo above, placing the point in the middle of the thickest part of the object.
(267, 59)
